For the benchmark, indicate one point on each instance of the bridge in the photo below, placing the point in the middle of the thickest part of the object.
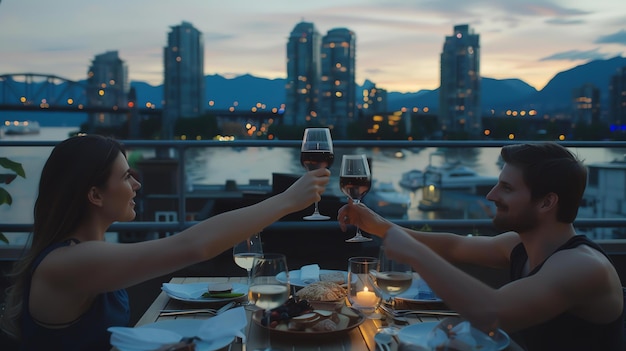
(35, 92)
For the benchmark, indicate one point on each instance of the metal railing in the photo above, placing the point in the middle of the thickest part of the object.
(179, 148)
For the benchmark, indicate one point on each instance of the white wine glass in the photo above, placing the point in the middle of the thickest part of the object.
(265, 291)
(355, 181)
(245, 252)
(316, 152)
(392, 279)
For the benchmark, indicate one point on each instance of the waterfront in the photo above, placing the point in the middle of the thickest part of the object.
(217, 165)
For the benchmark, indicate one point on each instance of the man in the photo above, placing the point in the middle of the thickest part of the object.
(564, 292)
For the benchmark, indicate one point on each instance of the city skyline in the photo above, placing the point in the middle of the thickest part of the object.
(398, 43)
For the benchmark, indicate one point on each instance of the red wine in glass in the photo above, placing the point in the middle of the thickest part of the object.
(355, 181)
(316, 152)
(355, 187)
(316, 159)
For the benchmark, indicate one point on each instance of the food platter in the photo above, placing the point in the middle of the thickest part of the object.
(354, 322)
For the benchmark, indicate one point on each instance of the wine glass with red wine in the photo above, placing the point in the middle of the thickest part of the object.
(316, 152)
(355, 181)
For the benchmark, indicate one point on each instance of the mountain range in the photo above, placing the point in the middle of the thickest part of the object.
(497, 94)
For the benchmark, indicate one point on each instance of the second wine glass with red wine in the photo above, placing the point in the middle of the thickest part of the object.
(355, 181)
(316, 152)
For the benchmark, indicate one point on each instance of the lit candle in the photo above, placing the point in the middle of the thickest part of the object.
(366, 298)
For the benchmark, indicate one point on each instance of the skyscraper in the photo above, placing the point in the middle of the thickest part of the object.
(586, 104)
(183, 87)
(303, 74)
(617, 98)
(107, 86)
(459, 93)
(337, 86)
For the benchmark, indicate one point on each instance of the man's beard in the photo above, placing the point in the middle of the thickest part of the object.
(525, 221)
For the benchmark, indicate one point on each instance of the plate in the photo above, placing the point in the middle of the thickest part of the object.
(418, 332)
(294, 277)
(195, 291)
(257, 315)
(188, 327)
(418, 292)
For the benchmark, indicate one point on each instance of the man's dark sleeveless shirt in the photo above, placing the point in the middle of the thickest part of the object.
(566, 331)
(88, 332)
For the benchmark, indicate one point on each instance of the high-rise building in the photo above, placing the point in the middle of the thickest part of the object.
(107, 86)
(459, 93)
(303, 74)
(183, 86)
(586, 104)
(374, 99)
(617, 98)
(337, 106)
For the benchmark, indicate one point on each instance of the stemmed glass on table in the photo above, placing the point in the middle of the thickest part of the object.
(265, 290)
(316, 152)
(245, 252)
(392, 279)
(355, 181)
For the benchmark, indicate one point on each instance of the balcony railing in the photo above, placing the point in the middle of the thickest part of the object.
(179, 148)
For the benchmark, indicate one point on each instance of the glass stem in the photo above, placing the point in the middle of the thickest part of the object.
(317, 211)
(269, 341)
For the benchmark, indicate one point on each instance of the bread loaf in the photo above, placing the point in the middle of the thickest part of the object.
(322, 291)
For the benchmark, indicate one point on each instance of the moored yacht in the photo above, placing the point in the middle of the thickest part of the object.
(21, 127)
(412, 180)
(451, 177)
(385, 200)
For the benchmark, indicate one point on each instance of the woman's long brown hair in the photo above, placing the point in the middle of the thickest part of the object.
(74, 166)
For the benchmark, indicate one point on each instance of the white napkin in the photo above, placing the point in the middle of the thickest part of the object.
(185, 291)
(462, 337)
(310, 273)
(227, 324)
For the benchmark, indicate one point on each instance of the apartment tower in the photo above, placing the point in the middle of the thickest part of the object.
(337, 86)
(183, 86)
(459, 94)
(617, 99)
(107, 86)
(303, 74)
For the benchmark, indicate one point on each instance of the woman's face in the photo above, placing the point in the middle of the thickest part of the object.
(121, 189)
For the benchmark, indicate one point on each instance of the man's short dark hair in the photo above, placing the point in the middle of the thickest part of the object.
(550, 168)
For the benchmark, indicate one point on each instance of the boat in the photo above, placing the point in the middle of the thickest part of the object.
(449, 179)
(21, 127)
(385, 200)
(412, 180)
(453, 175)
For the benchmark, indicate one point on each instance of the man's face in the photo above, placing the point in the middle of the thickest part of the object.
(514, 208)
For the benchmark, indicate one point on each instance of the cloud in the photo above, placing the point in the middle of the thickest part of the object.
(576, 55)
(615, 38)
(564, 21)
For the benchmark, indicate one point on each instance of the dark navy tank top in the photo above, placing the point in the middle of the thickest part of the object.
(88, 332)
(566, 331)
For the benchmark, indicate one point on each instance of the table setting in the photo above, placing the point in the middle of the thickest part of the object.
(364, 308)
(201, 292)
(208, 334)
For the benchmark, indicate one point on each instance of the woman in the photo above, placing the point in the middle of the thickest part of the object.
(69, 287)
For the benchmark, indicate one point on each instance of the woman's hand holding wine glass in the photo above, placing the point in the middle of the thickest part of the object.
(316, 152)
(355, 181)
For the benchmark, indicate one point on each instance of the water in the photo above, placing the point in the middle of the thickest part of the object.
(216, 165)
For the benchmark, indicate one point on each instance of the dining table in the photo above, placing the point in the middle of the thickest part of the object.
(360, 338)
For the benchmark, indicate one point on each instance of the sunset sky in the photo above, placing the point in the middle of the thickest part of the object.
(398, 41)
